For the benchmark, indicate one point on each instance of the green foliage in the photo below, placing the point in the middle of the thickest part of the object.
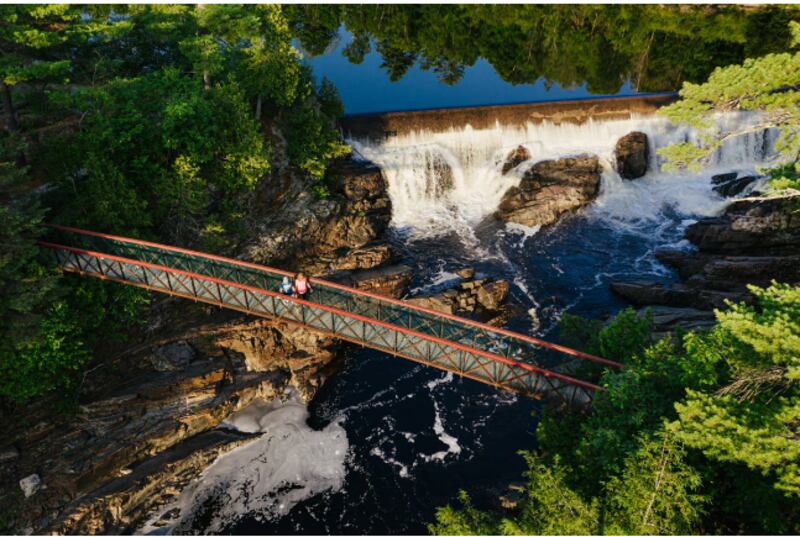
(753, 420)
(786, 177)
(767, 85)
(157, 149)
(26, 284)
(312, 135)
(48, 363)
(465, 521)
(696, 437)
(655, 494)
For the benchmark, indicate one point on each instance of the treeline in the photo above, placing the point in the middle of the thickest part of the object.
(155, 121)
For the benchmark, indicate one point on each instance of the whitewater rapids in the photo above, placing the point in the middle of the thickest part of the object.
(449, 181)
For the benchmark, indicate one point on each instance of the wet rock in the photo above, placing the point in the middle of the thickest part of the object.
(30, 485)
(125, 502)
(173, 357)
(492, 295)
(729, 184)
(551, 188)
(515, 158)
(632, 155)
(648, 292)
(667, 319)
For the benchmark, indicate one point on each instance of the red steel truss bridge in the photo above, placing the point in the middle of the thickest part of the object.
(501, 358)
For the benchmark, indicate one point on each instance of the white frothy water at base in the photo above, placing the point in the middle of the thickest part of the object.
(265, 478)
(447, 182)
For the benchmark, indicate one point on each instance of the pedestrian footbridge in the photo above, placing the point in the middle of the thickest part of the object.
(501, 358)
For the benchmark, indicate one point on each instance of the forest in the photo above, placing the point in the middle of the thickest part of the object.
(162, 122)
(143, 120)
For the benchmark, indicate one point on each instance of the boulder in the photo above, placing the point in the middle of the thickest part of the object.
(632, 155)
(30, 485)
(515, 158)
(485, 297)
(551, 188)
(493, 294)
(173, 356)
(729, 184)
(769, 226)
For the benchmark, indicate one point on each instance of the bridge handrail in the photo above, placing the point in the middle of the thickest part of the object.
(348, 290)
(308, 303)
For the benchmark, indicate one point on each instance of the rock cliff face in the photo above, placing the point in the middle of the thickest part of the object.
(551, 188)
(755, 241)
(146, 418)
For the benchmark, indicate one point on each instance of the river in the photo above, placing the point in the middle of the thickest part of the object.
(386, 441)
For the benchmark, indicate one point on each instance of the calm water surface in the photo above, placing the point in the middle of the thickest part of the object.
(366, 87)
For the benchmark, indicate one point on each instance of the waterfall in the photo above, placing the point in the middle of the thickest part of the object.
(441, 182)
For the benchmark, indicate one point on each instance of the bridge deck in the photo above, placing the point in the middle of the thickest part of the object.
(481, 352)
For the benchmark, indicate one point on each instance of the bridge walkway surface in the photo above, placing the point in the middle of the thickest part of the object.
(495, 356)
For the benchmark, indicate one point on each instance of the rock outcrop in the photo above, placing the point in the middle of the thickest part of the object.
(754, 242)
(146, 419)
(551, 188)
(484, 298)
(515, 158)
(391, 281)
(632, 155)
(320, 236)
(768, 226)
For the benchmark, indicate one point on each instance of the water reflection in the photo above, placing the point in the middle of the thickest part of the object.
(390, 57)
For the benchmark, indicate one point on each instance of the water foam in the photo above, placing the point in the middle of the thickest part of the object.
(449, 181)
(265, 478)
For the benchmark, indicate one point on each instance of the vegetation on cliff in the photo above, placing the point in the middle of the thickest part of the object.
(766, 86)
(148, 120)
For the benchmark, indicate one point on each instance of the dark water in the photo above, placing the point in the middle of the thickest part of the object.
(390, 408)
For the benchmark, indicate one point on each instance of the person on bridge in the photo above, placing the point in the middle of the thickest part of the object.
(301, 286)
(287, 287)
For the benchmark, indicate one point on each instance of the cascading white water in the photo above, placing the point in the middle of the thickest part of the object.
(449, 181)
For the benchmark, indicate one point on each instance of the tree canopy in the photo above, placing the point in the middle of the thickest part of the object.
(155, 121)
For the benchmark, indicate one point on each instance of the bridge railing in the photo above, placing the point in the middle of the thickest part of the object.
(447, 355)
(469, 333)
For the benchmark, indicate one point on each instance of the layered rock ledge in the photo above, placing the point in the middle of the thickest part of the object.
(549, 189)
(755, 241)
